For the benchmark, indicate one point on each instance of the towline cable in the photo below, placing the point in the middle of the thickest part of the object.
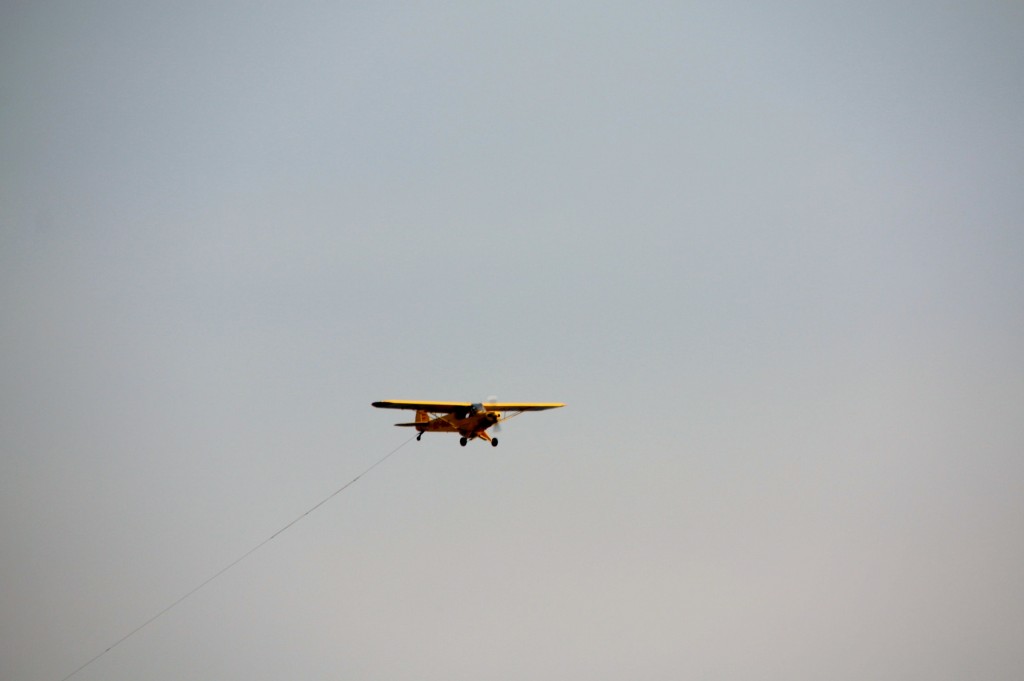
(238, 560)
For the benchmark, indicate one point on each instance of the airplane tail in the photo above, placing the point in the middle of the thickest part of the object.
(422, 419)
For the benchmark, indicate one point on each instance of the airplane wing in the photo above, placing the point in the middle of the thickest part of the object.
(436, 407)
(453, 407)
(522, 406)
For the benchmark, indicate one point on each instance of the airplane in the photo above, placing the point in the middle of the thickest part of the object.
(469, 419)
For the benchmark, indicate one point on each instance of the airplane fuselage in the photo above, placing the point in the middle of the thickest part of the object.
(471, 426)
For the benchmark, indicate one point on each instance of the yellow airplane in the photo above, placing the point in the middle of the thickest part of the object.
(469, 419)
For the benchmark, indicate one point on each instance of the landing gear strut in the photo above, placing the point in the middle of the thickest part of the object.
(419, 436)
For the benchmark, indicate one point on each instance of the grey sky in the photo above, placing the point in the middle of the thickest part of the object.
(771, 257)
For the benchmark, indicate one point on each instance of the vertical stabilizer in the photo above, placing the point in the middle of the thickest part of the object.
(422, 416)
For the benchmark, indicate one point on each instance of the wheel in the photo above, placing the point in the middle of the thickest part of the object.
(463, 441)
(494, 442)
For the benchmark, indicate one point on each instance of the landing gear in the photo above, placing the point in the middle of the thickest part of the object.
(463, 441)
(419, 436)
(494, 442)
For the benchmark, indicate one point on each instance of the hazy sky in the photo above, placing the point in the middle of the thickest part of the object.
(771, 255)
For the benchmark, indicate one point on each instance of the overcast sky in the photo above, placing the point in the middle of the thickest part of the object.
(770, 254)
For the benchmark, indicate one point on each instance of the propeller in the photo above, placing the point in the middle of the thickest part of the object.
(491, 399)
